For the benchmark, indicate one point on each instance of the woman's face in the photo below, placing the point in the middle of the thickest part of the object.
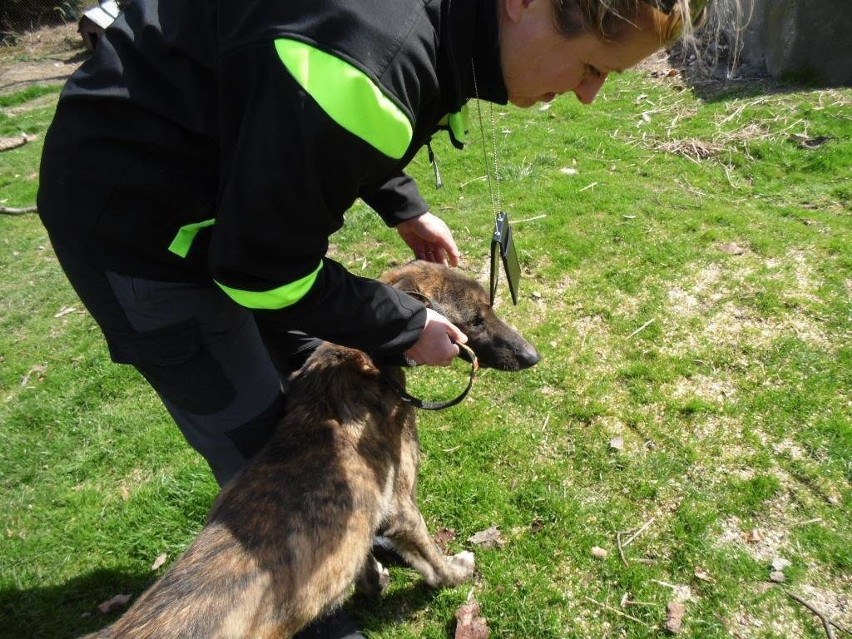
(539, 63)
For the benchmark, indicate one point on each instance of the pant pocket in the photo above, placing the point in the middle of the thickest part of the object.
(176, 363)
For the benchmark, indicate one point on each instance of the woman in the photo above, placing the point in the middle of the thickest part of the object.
(199, 161)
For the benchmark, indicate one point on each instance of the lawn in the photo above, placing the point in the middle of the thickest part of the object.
(686, 438)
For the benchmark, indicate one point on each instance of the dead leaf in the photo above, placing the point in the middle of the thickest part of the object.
(159, 562)
(755, 536)
(703, 575)
(113, 604)
(599, 553)
(537, 525)
(471, 625)
(489, 538)
(65, 310)
(443, 537)
(616, 443)
(567, 170)
(675, 612)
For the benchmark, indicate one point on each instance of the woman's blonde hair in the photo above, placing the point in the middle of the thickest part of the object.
(610, 19)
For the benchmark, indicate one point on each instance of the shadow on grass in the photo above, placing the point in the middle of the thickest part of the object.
(391, 609)
(720, 91)
(69, 610)
(716, 83)
(66, 610)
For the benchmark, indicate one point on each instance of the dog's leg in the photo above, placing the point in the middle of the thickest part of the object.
(411, 538)
(373, 580)
(405, 527)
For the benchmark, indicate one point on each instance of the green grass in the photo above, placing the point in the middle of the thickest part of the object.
(696, 307)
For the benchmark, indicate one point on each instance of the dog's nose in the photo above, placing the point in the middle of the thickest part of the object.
(528, 357)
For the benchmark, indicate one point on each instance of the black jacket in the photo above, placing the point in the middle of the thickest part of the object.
(226, 139)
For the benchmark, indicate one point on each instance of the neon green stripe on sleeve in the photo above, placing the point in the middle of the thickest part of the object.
(277, 298)
(348, 96)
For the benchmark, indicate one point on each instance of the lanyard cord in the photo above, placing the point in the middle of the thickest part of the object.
(493, 184)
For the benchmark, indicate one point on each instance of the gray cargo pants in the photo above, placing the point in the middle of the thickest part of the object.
(208, 358)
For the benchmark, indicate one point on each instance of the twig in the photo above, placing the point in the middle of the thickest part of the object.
(627, 601)
(8, 210)
(728, 175)
(826, 622)
(7, 144)
(809, 521)
(621, 549)
(481, 178)
(640, 531)
(631, 539)
(617, 611)
(642, 328)
(529, 219)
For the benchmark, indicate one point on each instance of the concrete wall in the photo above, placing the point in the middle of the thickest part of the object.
(804, 39)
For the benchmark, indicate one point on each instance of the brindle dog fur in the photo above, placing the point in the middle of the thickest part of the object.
(289, 536)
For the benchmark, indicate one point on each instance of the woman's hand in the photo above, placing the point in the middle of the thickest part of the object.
(430, 239)
(436, 346)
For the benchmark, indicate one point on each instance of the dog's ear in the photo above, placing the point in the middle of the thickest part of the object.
(406, 283)
(366, 365)
(406, 277)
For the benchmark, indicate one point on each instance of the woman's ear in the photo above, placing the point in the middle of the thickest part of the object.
(514, 9)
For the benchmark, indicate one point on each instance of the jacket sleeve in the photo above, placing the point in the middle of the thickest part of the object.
(396, 200)
(290, 170)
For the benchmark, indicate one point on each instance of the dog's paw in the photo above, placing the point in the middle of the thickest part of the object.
(374, 580)
(383, 579)
(464, 559)
(462, 566)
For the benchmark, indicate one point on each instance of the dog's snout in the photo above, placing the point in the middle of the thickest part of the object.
(509, 352)
(528, 357)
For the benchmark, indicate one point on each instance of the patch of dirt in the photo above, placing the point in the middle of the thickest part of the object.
(709, 298)
(48, 55)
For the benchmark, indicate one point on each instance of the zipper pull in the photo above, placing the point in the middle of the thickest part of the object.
(439, 181)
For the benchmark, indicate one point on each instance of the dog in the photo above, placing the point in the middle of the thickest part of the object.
(291, 534)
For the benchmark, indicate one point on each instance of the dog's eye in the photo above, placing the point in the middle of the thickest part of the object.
(478, 320)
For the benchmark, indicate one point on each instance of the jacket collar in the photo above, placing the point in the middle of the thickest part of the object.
(473, 43)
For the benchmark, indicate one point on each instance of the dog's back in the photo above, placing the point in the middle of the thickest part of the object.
(286, 539)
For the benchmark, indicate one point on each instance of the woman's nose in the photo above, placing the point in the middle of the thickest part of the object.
(588, 89)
